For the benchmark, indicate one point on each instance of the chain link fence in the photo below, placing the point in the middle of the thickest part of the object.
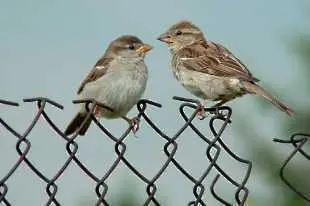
(214, 147)
(298, 141)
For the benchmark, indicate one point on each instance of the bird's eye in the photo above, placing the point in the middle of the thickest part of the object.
(131, 47)
(178, 33)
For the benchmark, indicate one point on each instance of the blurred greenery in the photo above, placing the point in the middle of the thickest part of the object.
(123, 200)
(263, 154)
(301, 49)
(127, 196)
(300, 124)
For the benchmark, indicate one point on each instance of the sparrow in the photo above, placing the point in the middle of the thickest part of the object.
(209, 70)
(118, 80)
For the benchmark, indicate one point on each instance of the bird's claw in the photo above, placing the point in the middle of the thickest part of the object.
(216, 111)
(201, 112)
(134, 124)
(97, 111)
(220, 114)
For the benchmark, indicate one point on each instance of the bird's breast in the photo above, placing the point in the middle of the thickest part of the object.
(120, 88)
(208, 87)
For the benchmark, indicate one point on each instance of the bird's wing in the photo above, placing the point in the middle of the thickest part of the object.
(99, 69)
(214, 59)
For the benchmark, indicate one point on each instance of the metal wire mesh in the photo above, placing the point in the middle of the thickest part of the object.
(221, 114)
(298, 140)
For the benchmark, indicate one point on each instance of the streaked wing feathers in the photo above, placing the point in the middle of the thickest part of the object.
(214, 59)
(99, 69)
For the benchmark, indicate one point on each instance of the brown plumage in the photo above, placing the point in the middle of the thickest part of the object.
(117, 80)
(98, 71)
(209, 70)
(214, 59)
(258, 90)
(76, 122)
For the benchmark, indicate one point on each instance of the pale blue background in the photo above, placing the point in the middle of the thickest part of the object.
(47, 47)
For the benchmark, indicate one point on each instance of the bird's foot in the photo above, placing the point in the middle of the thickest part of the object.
(217, 112)
(201, 112)
(97, 111)
(133, 123)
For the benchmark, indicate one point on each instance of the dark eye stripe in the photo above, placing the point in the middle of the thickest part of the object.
(184, 33)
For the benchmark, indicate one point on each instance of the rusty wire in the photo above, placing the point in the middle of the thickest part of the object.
(221, 114)
(298, 140)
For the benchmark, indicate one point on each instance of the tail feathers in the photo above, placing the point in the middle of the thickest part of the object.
(76, 123)
(256, 89)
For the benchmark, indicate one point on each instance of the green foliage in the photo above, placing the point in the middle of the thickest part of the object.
(125, 197)
(265, 158)
(301, 49)
(125, 200)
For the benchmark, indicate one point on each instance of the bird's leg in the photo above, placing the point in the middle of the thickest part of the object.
(217, 111)
(134, 123)
(201, 111)
(97, 111)
(217, 105)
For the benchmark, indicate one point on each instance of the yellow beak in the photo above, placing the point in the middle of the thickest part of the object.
(144, 48)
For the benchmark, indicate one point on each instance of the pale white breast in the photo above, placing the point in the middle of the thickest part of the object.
(119, 88)
(208, 87)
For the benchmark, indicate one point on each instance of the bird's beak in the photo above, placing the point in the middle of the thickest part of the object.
(166, 38)
(144, 48)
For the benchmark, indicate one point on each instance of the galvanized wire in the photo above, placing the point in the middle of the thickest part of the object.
(298, 140)
(216, 143)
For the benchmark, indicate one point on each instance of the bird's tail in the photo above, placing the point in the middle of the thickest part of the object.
(76, 123)
(256, 89)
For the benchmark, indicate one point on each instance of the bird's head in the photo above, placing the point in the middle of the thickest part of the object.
(129, 47)
(181, 34)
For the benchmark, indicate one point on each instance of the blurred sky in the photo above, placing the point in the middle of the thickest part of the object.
(47, 48)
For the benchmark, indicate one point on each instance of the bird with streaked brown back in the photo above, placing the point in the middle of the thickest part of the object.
(209, 70)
